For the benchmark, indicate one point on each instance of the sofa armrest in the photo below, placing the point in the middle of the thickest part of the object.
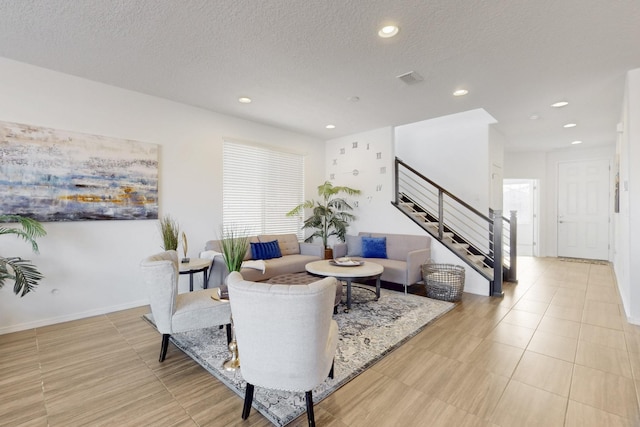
(314, 249)
(339, 250)
(415, 259)
(218, 272)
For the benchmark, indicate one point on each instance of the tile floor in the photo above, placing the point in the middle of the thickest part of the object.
(555, 351)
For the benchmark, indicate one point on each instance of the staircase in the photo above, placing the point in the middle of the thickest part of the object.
(484, 242)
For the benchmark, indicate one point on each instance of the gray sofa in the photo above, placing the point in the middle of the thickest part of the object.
(295, 255)
(405, 255)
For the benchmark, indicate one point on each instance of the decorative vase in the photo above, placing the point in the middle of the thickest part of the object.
(233, 363)
(328, 253)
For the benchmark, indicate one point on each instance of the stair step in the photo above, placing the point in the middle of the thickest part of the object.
(407, 204)
(461, 246)
(476, 259)
(422, 215)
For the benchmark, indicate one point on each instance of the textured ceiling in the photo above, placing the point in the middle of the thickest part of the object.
(300, 61)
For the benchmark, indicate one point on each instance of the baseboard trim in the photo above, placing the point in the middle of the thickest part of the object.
(69, 317)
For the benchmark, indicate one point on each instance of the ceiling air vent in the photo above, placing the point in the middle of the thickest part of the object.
(411, 78)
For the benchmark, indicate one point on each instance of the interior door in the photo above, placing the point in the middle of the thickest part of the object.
(583, 209)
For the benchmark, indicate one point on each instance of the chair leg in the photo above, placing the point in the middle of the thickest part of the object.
(310, 417)
(248, 399)
(229, 336)
(164, 346)
(333, 363)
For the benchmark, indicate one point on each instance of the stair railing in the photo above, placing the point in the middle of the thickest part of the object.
(476, 238)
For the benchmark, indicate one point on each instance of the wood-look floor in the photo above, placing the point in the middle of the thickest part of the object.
(555, 351)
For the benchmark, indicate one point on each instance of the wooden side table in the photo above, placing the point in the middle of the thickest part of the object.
(196, 265)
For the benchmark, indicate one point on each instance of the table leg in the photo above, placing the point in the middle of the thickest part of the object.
(191, 282)
(346, 310)
(205, 284)
(377, 288)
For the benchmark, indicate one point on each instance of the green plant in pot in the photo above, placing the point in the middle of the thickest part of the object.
(22, 272)
(169, 230)
(234, 245)
(330, 216)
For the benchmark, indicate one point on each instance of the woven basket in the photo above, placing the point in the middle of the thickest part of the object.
(443, 281)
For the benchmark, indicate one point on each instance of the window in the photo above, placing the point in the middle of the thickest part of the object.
(260, 185)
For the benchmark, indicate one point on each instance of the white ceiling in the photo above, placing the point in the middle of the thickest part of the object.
(300, 61)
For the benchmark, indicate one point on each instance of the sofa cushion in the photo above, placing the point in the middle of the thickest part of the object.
(354, 245)
(399, 245)
(374, 247)
(265, 250)
(288, 242)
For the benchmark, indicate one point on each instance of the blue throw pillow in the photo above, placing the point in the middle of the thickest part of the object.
(374, 247)
(265, 250)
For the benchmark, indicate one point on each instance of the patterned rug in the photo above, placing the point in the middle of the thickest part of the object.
(367, 333)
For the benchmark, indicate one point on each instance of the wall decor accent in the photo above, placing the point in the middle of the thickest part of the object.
(57, 175)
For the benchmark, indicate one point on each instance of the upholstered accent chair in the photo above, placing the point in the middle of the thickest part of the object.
(174, 312)
(286, 336)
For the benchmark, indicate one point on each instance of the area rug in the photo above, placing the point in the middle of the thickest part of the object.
(367, 333)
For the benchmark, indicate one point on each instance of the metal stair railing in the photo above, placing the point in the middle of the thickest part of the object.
(479, 240)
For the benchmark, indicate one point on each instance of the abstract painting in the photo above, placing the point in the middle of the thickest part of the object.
(56, 175)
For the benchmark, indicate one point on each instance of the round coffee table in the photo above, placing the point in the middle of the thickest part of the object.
(368, 270)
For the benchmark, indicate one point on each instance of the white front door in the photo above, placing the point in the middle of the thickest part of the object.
(583, 211)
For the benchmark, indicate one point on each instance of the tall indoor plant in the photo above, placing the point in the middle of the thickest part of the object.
(22, 272)
(169, 230)
(330, 215)
(234, 245)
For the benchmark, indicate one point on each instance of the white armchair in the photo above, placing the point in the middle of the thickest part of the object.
(286, 335)
(173, 312)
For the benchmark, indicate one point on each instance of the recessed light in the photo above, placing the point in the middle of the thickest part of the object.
(559, 104)
(570, 125)
(534, 117)
(244, 100)
(330, 126)
(388, 31)
(460, 92)
(576, 142)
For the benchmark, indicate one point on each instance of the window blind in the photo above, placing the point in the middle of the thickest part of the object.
(260, 185)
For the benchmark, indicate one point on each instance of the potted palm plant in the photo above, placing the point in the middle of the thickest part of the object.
(22, 272)
(330, 216)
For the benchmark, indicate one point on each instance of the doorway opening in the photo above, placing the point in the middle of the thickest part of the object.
(522, 196)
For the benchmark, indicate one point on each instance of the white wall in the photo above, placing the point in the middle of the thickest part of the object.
(497, 142)
(627, 222)
(453, 151)
(371, 154)
(92, 267)
(375, 211)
